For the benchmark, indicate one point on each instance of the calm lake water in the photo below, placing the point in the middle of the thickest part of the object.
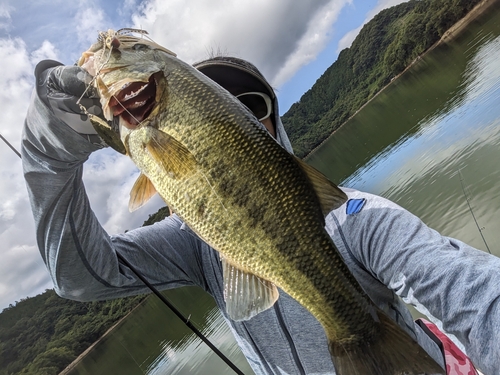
(430, 142)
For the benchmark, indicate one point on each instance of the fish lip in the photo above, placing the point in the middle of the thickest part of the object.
(134, 102)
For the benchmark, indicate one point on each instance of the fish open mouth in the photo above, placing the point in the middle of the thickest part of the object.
(134, 102)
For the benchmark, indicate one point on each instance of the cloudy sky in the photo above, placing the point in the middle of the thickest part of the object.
(292, 42)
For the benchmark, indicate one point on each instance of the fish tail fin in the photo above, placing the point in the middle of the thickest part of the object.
(393, 352)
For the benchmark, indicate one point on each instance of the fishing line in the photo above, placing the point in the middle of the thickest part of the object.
(471, 211)
(113, 96)
(185, 320)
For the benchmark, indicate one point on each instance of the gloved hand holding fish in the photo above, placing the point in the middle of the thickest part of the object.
(263, 209)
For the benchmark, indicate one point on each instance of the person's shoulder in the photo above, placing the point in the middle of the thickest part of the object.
(365, 211)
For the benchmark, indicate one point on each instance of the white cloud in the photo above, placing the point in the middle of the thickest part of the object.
(109, 177)
(279, 37)
(5, 19)
(16, 83)
(89, 20)
(349, 37)
(22, 272)
(128, 7)
(46, 51)
(312, 42)
(5, 10)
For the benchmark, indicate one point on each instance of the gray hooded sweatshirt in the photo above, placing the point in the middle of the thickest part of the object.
(389, 251)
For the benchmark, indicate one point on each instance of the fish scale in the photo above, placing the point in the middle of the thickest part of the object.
(275, 159)
(263, 209)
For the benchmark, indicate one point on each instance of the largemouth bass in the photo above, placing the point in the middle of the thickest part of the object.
(247, 197)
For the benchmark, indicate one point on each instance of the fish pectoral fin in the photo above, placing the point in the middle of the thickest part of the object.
(142, 191)
(246, 294)
(330, 195)
(173, 156)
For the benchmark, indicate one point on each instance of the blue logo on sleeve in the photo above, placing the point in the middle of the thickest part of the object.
(354, 206)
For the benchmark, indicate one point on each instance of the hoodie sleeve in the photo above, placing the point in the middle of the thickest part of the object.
(80, 256)
(455, 285)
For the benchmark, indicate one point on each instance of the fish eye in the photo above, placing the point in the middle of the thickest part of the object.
(140, 47)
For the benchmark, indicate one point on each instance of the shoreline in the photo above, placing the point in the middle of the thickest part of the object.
(82, 355)
(477, 11)
(448, 36)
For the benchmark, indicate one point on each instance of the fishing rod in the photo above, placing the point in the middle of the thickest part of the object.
(185, 320)
(480, 229)
(11, 147)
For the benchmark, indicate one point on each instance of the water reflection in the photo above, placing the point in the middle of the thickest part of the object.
(446, 118)
(419, 171)
(190, 354)
(152, 340)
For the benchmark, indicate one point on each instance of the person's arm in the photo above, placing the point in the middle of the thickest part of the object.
(79, 254)
(451, 282)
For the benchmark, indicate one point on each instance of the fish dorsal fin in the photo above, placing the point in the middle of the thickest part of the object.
(245, 294)
(142, 191)
(172, 155)
(330, 195)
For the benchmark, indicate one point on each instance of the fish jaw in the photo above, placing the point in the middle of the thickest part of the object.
(128, 74)
(132, 100)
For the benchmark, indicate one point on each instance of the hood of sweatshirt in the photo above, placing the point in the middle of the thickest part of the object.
(239, 76)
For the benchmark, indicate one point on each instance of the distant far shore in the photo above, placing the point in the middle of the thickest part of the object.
(448, 36)
(478, 10)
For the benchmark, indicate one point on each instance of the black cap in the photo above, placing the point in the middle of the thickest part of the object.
(235, 75)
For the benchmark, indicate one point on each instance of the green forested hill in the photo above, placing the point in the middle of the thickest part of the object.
(384, 48)
(43, 334)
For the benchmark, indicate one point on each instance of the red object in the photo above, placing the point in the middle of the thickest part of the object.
(457, 363)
